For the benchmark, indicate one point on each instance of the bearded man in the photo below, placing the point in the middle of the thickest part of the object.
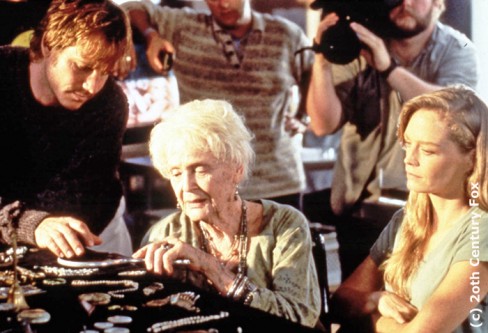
(364, 98)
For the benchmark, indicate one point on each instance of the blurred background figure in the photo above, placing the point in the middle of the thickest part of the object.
(247, 58)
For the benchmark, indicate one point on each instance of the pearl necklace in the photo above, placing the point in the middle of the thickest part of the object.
(241, 236)
(131, 285)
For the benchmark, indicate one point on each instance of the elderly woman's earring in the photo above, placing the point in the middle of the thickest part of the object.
(236, 193)
(178, 206)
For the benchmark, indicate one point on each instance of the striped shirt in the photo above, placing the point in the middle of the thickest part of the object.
(258, 86)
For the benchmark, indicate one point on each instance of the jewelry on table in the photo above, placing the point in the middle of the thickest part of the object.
(119, 319)
(117, 307)
(7, 257)
(157, 303)
(63, 272)
(151, 289)
(54, 282)
(138, 272)
(23, 275)
(117, 330)
(130, 308)
(185, 300)
(26, 290)
(103, 325)
(131, 286)
(27, 274)
(170, 324)
(6, 307)
(34, 316)
(95, 298)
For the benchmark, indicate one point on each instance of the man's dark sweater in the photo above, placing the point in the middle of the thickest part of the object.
(58, 162)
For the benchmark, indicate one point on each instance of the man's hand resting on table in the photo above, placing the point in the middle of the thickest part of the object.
(65, 236)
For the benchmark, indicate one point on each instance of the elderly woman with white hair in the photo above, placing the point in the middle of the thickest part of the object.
(255, 252)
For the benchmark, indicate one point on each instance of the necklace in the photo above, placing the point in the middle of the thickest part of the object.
(241, 237)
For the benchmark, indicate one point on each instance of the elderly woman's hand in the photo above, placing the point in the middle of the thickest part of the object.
(160, 256)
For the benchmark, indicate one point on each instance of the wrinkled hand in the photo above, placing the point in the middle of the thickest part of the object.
(64, 236)
(155, 45)
(375, 51)
(159, 256)
(393, 306)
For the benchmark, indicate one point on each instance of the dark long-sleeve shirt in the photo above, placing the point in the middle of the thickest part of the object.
(58, 162)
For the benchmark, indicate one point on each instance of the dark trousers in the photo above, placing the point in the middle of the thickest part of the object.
(355, 235)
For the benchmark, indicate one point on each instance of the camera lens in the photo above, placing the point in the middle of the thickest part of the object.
(339, 44)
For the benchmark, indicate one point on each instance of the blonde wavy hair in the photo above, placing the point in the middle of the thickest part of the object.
(99, 27)
(203, 125)
(466, 116)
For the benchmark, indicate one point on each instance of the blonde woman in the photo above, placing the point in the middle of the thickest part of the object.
(428, 270)
(255, 252)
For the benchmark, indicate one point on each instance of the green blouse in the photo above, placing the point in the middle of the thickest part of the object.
(279, 260)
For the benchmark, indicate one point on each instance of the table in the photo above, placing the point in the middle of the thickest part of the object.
(68, 315)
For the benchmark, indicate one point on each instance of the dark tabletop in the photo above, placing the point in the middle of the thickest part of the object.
(68, 315)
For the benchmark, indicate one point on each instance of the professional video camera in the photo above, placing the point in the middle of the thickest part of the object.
(339, 44)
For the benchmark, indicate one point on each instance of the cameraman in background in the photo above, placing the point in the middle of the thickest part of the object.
(364, 98)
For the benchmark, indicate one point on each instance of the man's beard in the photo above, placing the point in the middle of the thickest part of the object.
(421, 24)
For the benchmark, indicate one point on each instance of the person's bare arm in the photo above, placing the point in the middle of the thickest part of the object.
(377, 56)
(448, 306)
(354, 298)
(155, 44)
(323, 105)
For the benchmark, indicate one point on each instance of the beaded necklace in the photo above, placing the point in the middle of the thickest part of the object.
(242, 237)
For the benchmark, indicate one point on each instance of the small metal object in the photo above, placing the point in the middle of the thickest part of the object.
(130, 308)
(185, 300)
(151, 289)
(6, 307)
(120, 319)
(103, 325)
(156, 303)
(138, 272)
(26, 290)
(54, 282)
(116, 330)
(115, 307)
(34, 316)
(166, 60)
(63, 272)
(95, 298)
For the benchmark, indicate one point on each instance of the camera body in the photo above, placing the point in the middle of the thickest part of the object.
(339, 44)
